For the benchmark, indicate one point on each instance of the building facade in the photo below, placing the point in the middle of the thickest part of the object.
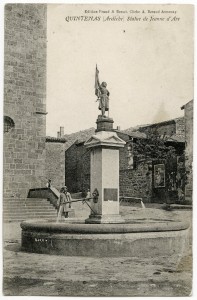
(171, 128)
(24, 98)
(55, 161)
(138, 168)
(30, 158)
(188, 111)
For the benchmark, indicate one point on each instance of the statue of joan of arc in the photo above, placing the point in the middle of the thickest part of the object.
(102, 93)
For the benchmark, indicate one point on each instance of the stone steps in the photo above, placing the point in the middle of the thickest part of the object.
(24, 218)
(25, 214)
(26, 210)
(15, 210)
(9, 219)
(27, 204)
(35, 211)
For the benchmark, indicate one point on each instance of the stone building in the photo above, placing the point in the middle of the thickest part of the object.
(188, 112)
(55, 160)
(29, 157)
(137, 175)
(24, 98)
(174, 128)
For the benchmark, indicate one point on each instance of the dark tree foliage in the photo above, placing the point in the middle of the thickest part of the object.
(154, 148)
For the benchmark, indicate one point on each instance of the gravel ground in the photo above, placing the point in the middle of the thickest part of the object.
(27, 274)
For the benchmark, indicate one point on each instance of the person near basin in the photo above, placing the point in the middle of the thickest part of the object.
(64, 205)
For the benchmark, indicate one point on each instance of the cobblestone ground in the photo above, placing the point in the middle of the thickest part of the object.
(27, 274)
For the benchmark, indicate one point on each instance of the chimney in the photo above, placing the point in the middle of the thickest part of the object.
(61, 131)
(58, 134)
(118, 128)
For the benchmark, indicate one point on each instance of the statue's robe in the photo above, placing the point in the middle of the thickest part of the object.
(104, 98)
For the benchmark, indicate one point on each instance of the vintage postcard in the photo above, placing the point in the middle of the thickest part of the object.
(98, 150)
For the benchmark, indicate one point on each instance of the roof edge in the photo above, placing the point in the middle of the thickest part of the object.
(50, 139)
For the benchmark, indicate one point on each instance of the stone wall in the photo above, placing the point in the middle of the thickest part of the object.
(25, 98)
(168, 128)
(135, 180)
(71, 168)
(77, 168)
(189, 149)
(180, 126)
(55, 161)
(134, 183)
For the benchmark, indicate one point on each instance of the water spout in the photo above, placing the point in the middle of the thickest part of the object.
(142, 204)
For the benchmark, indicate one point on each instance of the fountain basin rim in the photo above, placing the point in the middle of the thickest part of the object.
(82, 228)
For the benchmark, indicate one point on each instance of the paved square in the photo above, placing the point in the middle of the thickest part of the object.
(28, 274)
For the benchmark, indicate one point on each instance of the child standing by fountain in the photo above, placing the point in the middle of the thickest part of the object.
(64, 205)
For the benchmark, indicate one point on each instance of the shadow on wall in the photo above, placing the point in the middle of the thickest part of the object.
(51, 193)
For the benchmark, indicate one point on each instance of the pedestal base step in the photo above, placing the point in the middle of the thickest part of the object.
(104, 219)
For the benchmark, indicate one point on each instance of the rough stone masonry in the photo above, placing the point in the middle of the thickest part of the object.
(25, 98)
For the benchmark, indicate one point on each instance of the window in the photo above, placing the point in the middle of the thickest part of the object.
(8, 124)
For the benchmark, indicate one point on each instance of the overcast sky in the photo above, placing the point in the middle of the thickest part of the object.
(148, 66)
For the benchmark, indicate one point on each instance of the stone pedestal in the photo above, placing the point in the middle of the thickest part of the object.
(104, 124)
(104, 172)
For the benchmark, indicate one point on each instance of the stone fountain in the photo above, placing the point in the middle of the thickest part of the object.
(105, 233)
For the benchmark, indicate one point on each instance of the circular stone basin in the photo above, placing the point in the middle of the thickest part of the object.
(141, 238)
